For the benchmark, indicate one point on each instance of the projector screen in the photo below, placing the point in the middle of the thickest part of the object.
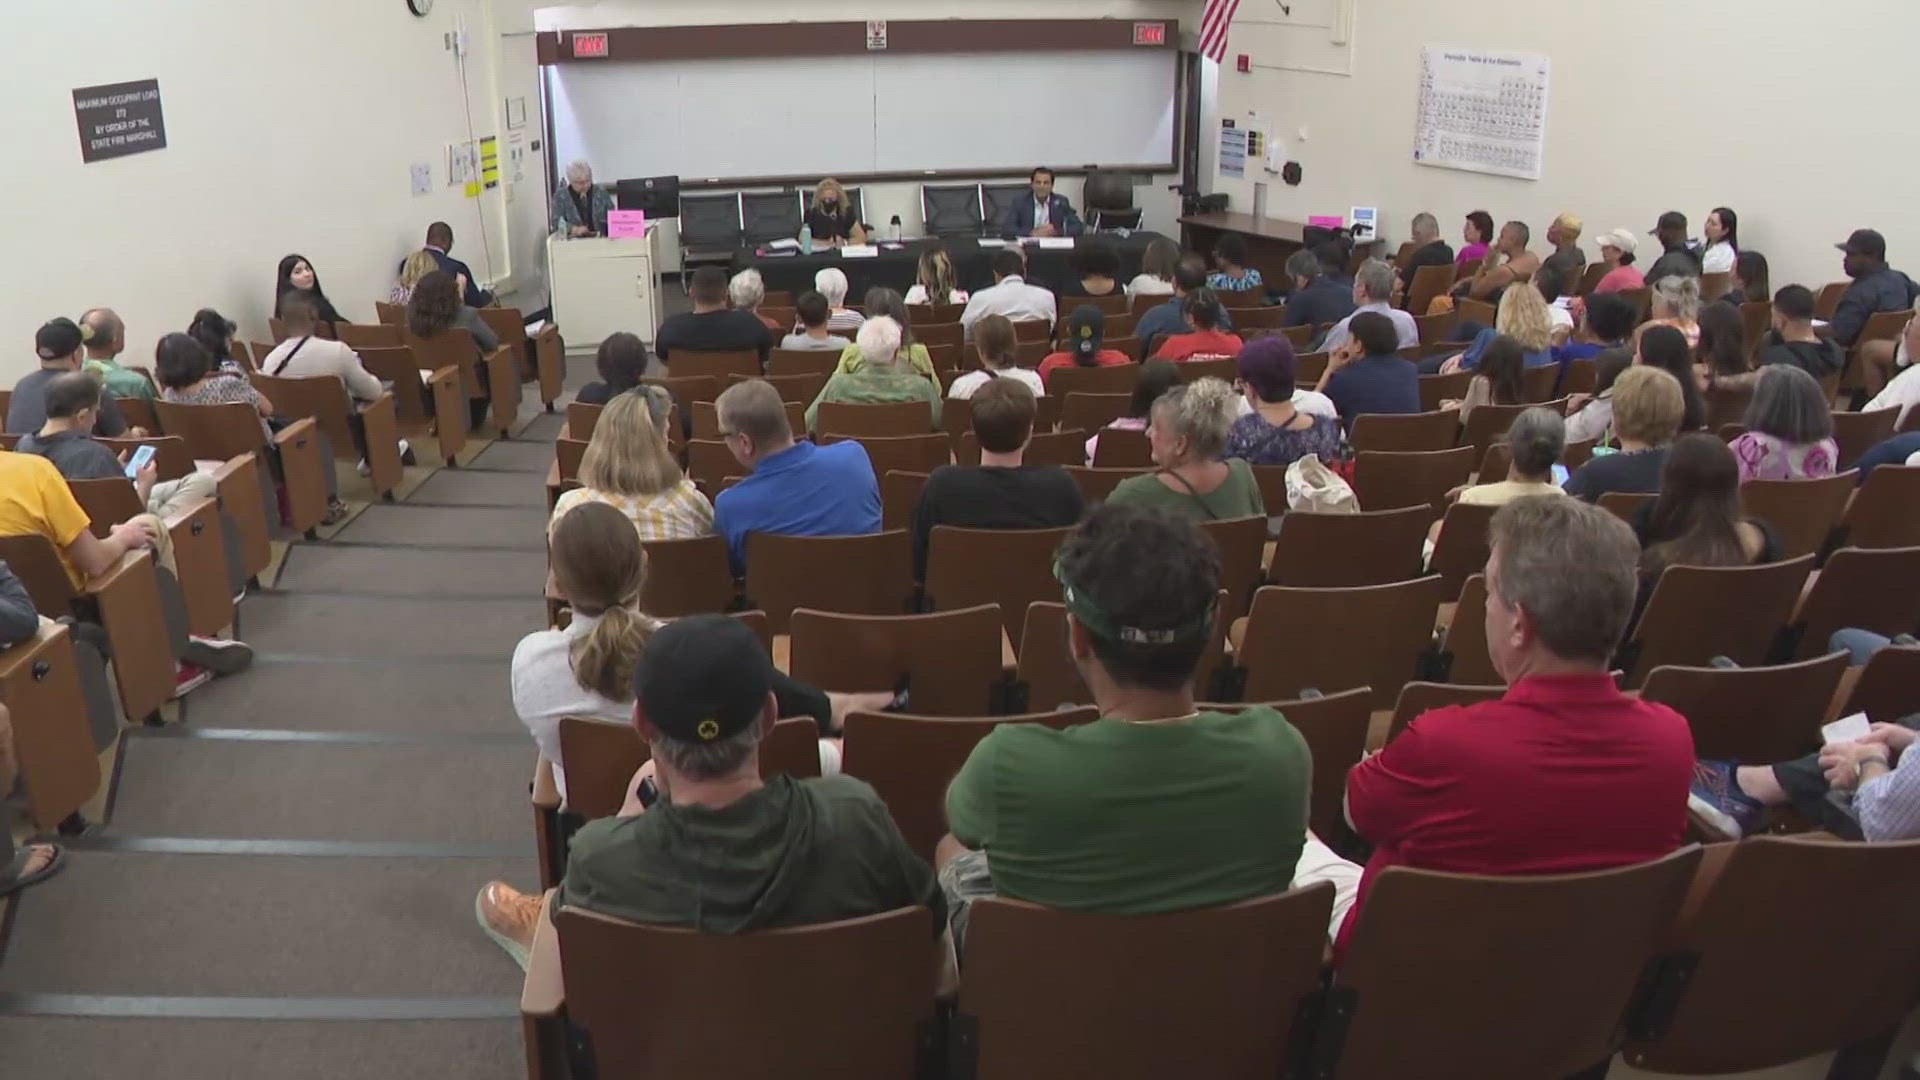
(821, 116)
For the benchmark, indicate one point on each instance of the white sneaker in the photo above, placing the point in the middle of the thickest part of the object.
(221, 656)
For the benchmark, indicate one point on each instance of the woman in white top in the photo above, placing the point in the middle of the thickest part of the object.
(303, 356)
(1156, 269)
(629, 467)
(994, 340)
(831, 283)
(1723, 241)
(935, 284)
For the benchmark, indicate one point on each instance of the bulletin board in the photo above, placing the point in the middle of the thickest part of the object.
(1482, 111)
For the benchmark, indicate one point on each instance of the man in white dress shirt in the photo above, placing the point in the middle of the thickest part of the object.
(1009, 295)
(1373, 291)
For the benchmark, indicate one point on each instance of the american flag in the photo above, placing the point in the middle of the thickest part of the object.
(1213, 28)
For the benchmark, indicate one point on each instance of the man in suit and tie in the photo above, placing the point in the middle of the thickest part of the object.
(1046, 214)
(439, 243)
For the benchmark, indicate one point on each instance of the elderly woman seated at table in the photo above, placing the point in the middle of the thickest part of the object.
(884, 377)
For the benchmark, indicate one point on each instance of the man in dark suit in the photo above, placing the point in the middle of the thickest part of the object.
(439, 243)
(1046, 214)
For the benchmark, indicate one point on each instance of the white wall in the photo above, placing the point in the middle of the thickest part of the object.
(290, 127)
(1793, 116)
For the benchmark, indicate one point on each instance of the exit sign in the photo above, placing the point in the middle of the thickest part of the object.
(1149, 33)
(589, 45)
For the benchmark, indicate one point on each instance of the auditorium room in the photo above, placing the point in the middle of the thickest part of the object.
(959, 540)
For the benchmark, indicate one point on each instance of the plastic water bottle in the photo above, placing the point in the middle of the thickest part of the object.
(806, 239)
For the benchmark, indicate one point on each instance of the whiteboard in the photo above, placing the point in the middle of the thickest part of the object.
(1482, 111)
(820, 116)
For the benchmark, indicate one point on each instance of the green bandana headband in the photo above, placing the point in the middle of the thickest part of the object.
(1102, 625)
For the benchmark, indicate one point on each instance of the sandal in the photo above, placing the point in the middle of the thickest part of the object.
(336, 512)
(17, 876)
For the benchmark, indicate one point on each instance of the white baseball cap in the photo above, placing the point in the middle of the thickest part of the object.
(1619, 238)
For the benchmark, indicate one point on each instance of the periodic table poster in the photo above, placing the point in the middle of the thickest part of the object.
(1482, 111)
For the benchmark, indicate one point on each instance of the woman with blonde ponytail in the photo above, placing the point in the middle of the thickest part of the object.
(586, 670)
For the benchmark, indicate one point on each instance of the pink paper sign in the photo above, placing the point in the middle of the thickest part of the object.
(622, 224)
(1326, 221)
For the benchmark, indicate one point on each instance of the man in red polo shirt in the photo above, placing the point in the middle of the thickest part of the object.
(1563, 774)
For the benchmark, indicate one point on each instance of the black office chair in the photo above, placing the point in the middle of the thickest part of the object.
(710, 228)
(768, 215)
(951, 209)
(996, 200)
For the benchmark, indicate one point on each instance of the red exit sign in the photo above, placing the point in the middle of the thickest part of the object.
(589, 45)
(1149, 33)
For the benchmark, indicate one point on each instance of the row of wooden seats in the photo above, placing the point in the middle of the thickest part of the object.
(542, 356)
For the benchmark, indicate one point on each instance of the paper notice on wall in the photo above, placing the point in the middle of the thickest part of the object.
(422, 178)
(1233, 150)
(490, 162)
(876, 34)
(463, 164)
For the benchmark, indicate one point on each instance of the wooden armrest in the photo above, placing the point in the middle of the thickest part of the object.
(1713, 861)
(546, 794)
(185, 514)
(545, 991)
(449, 373)
(300, 429)
(504, 352)
(127, 568)
(230, 466)
(24, 651)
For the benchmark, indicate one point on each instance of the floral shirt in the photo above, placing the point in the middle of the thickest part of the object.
(1250, 280)
(1262, 443)
(1768, 457)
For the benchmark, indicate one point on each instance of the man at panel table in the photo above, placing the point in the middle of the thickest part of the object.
(580, 207)
(1046, 214)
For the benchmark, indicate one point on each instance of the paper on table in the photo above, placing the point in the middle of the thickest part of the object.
(788, 242)
(991, 241)
(1845, 729)
(1056, 242)
(859, 251)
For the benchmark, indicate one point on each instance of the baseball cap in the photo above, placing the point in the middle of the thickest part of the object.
(1866, 242)
(1086, 328)
(703, 678)
(1672, 219)
(58, 339)
(1620, 238)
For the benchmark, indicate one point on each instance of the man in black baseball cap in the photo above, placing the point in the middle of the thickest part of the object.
(58, 345)
(1676, 259)
(1876, 287)
(704, 841)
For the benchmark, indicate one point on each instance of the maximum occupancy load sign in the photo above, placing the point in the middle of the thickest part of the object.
(120, 119)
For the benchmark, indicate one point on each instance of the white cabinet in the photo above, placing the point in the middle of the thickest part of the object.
(601, 286)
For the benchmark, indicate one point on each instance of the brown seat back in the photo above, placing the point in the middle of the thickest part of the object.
(453, 347)
(1463, 547)
(1122, 448)
(1242, 543)
(687, 577)
(1097, 484)
(711, 461)
(1335, 728)
(1063, 448)
(1772, 908)
(568, 453)
(1487, 423)
(793, 388)
(1091, 412)
(322, 397)
(866, 575)
(1700, 612)
(138, 412)
(790, 988)
(1008, 567)
(1881, 515)
(1802, 512)
(717, 364)
(787, 362)
(946, 333)
(1423, 697)
(951, 660)
(1407, 431)
(213, 432)
(1118, 379)
(1386, 480)
(582, 418)
(1625, 505)
(413, 404)
(1465, 644)
(909, 760)
(367, 336)
(1418, 997)
(1591, 278)
(920, 314)
(1889, 686)
(1477, 311)
(1259, 318)
(1046, 674)
(107, 501)
(600, 758)
(687, 389)
(390, 314)
(1751, 714)
(1875, 589)
(1330, 551)
(1057, 993)
(892, 419)
(1429, 282)
(900, 498)
(1435, 389)
(1301, 639)
(903, 453)
(1854, 433)
(506, 324)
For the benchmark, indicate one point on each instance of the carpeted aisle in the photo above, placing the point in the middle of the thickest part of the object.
(283, 883)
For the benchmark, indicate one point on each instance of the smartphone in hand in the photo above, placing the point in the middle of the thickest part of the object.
(139, 460)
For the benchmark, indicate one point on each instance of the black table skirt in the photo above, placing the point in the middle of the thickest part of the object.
(973, 264)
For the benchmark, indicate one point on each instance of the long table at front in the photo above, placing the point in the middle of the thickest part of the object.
(1051, 267)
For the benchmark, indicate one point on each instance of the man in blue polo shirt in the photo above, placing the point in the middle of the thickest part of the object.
(797, 489)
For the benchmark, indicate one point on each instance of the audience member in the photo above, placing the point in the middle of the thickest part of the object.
(1551, 283)
(1506, 262)
(1667, 349)
(1318, 297)
(21, 867)
(1722, 348)
(1676, 303)
(1567, 259)
(1204, 340)
(105, 338)
(412, 269)
(1187, 430)
(1373, 291)
(1233, 273)
(629, 466)
(935, 278)
(1276, 429)
(1474, 240)
(1589, 418)
(1696, 518)
(1901, 449)
(712, 326)
(831, 219)
(1498, 378)
(1676, 258)
(883, 376)
(880, 301)
(621, 361)
(796, 489)
(1616, 251)
(1156, 269)
(1122, 815)
(746, 291)
(1750, 277)
(297, 278)
(1002, 492)
(792, 852)
(1523, 316)
(57, 344)
(439, 248)
(1535, 440)
(216, 333)
(1096, 267)
(304, 356)
(1156, 378)
(1794, 340)
(1510, 786)
(1723, 241)
(1903, 392)
(1852, 789)
(1085, 342)
(1647, 406)
(1189, 276)
(1432, 251)
(831, 282)
(1875, 287)
(995, 344)
(436, 308)
(580, 207)
(814, 311)
(1789, 432)
(1009, 295)
(66, 439)
(1606, 323)
(1048, 213)
(1368, 374)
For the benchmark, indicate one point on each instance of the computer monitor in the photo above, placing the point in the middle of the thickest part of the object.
(658, 196)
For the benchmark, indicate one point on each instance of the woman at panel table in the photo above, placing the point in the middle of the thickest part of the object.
(580, 208)
(830, 216)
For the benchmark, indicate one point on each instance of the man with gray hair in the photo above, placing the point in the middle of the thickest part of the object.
(1432, 250)
(1562, 774)
(1373, 291)
(1318, 297)
(796, 488)
(580, 207)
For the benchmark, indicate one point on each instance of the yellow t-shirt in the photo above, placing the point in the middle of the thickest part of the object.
(35, 500)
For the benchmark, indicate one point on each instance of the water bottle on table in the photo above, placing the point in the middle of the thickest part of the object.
(806, 239)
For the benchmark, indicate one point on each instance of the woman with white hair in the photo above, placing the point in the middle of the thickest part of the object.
(1676, 303)
(884, 377)
(579, 207)
(832, 284)
(1187, 431)
(746, 292)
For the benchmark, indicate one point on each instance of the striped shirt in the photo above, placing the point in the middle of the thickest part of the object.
(1889, 804)
(678, 513)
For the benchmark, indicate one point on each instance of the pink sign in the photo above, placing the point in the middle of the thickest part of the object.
(1327, 221)
(622, 224)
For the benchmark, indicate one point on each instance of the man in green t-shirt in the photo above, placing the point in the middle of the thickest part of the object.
(1156, 806)
(703, 842)
(106, 340)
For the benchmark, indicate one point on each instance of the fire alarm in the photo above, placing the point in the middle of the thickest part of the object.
(1243, 63)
